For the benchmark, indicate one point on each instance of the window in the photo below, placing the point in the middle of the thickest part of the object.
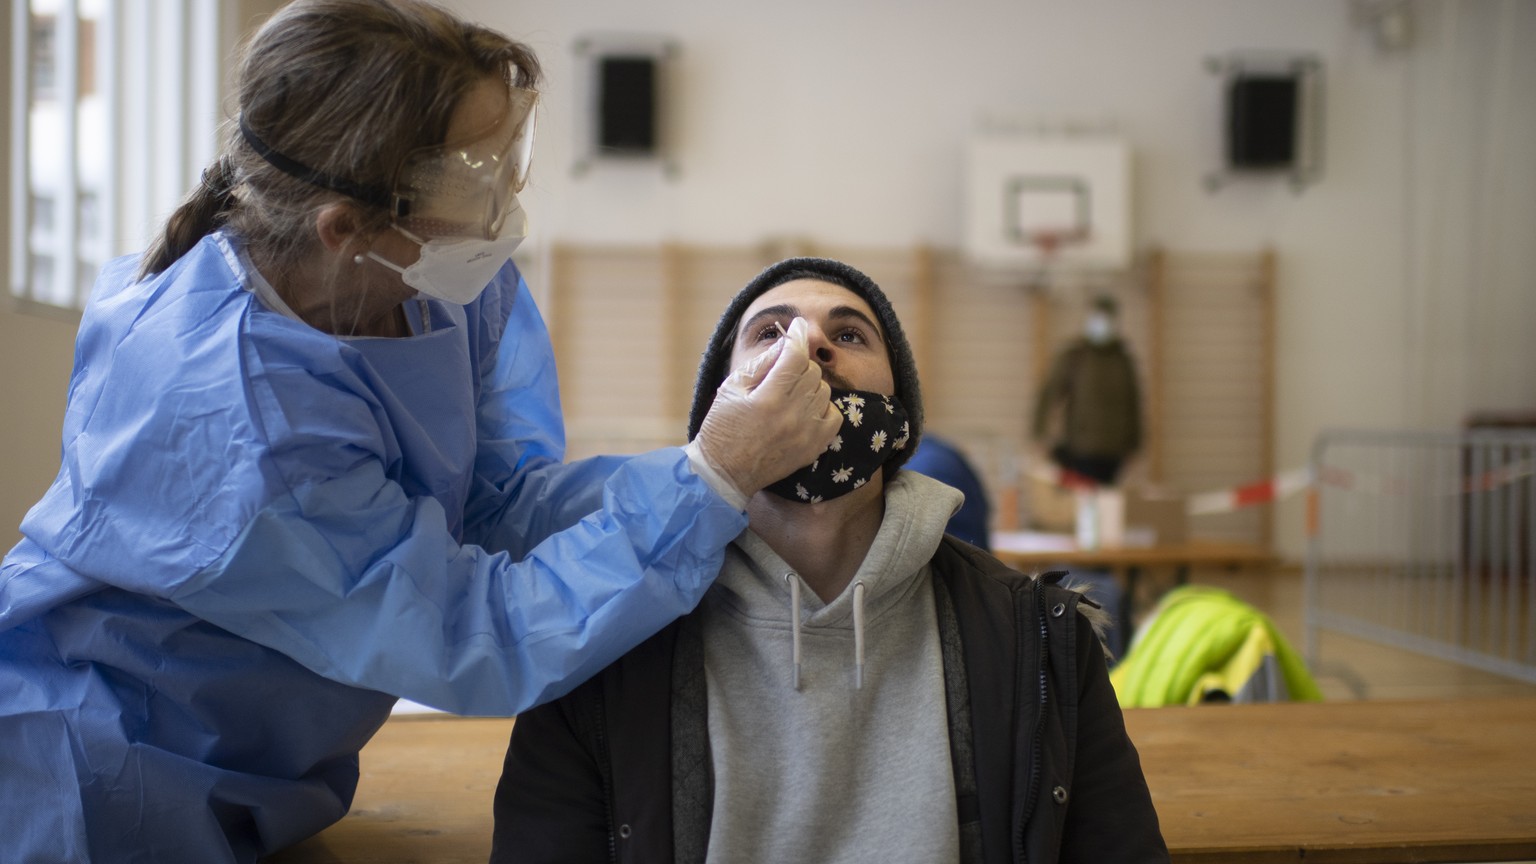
(113, 107)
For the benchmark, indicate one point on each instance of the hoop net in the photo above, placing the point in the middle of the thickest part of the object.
(1048, 245)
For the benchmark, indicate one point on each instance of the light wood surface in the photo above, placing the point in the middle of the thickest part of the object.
(1327, 782)
(1343, 781)
(1030, 551)
(424, 796)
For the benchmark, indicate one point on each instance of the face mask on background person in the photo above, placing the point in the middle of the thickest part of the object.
(1099, 328)
(874, 429)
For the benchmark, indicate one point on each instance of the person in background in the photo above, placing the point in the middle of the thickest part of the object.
(941, 460)
(312, 463)
(855, 686)
(1089, 413)
(1092, 386)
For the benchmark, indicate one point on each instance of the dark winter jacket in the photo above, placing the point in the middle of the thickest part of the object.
(1043, 768)
(1095, 386)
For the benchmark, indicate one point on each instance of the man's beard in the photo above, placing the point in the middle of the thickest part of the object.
(836, 380)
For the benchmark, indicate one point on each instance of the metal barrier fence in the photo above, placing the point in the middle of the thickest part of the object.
(1424, 541)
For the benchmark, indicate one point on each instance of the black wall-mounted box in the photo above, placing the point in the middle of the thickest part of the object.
(626, 109)
(1262, 114)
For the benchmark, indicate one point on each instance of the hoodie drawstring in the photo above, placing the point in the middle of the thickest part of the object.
(794, 626)
(858, 635)
(794, 619)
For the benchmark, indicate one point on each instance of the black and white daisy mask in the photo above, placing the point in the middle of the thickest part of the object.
(875, 428)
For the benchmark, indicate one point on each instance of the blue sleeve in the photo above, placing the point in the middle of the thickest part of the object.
(364, 585)
(521, 491)
(559, 570)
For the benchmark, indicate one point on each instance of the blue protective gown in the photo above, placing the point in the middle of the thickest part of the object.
(261, 535)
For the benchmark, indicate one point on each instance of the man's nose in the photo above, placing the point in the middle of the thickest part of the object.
(819, 345)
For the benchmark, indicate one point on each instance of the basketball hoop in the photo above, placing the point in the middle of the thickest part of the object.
(1048, 244)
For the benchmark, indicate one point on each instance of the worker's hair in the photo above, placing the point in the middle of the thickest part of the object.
(346, 88)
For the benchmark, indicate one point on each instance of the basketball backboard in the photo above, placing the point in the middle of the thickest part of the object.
(1036, 199)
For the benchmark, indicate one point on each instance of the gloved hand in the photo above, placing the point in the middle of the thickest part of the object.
(771, 416)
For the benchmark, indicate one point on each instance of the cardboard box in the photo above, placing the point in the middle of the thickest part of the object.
(1158, 511)
(1048, 507)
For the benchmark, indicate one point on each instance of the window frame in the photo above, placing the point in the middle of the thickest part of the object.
(159, 71)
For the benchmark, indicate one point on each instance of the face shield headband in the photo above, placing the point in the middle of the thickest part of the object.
(460, 191)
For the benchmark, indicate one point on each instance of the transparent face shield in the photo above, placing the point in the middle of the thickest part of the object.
(470, 190)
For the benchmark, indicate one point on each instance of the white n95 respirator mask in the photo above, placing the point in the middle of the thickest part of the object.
(457, 269)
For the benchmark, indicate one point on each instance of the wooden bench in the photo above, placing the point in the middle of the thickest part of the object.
(1322, 782)
(1343, 781)
(424, 796)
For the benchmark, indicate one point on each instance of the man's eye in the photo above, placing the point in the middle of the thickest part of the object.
(853, 336)
(771, 331)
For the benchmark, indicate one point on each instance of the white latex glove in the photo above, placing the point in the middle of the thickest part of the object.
(771, 416)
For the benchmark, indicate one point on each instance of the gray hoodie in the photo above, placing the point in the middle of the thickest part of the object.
(829, 767)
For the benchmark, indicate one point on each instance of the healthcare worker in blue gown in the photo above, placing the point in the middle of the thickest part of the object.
(312, 462)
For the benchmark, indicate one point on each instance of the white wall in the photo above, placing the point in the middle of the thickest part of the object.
(1406, 275)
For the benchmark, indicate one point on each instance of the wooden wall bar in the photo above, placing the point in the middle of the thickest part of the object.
(629, 324)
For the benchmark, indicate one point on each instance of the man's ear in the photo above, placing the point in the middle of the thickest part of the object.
(338, 225)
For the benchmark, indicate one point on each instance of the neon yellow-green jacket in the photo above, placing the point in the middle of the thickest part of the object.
(1202, 644)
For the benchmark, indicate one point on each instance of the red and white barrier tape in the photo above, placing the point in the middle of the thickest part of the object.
(1263, 492)
(1220, 501)
(1056, 475)
(1288, 483)
(1426, 484)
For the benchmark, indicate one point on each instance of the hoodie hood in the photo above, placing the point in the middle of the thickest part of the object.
(759, 589)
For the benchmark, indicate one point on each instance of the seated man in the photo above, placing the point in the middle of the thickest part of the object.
(855, 686)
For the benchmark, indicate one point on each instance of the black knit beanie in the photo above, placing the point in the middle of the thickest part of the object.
(715, 365)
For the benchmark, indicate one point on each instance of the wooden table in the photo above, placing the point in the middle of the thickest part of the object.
(1322, 782)
(1034, 549)
(1343, 781)
(1031, 550)
(424, 797)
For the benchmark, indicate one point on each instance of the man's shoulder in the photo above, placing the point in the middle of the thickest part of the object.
(992, 598)
(957, 559)
(971, 573)
(982, 588)
(640, 674)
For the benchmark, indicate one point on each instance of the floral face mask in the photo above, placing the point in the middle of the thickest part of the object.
(874, 429)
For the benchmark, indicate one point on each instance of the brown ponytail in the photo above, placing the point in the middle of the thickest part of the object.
(204, 210)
